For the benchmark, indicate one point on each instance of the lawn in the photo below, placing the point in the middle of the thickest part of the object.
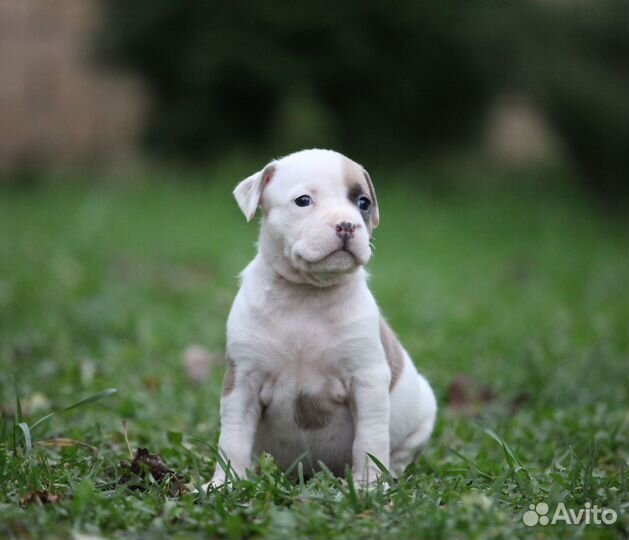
(512, 298)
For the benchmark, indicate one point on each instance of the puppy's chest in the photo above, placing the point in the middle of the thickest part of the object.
(286, 334)
(302, 355)
(303, 361)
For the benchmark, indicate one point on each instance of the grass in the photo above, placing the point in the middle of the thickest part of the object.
(522, 289)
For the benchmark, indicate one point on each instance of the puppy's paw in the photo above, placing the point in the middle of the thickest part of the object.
(218, 481)
(371, 486)
(370, 471)
(370, 478)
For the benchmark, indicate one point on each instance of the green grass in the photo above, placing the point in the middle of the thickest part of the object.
(522, 289)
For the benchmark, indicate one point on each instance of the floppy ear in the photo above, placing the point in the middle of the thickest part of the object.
(375, 213)
(249, 191)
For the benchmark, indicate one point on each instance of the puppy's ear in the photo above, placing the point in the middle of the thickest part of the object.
(375, 213)
(249, 191)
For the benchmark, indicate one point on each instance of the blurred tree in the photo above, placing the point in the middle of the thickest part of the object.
(572, 58)
(229, 72)
(374, 77)
(584, 88)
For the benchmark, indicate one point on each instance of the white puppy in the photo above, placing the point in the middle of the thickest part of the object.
(314, 369)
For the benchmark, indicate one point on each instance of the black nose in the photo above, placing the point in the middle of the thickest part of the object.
(345, 230)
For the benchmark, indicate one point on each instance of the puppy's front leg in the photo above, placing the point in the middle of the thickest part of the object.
(371, 408)
(240, 412)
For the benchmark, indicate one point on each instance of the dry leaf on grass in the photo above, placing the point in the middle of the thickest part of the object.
(146, 463)
(39, 497)
(466, 396)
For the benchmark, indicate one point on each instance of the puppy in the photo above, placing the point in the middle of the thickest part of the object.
(314, 371)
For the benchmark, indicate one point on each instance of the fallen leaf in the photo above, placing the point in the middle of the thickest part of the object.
(152, 382)
(146, 463)
(518, 401)
(63, 442)
(486, 394)
(39, 497)
(466, 396)
(460, 394)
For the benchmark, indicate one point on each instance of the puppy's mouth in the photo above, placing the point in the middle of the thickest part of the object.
(340, 252)
(328, 257)
(337, 262)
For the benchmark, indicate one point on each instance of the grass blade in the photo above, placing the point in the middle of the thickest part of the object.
(385, 472)
(210, 446)
(473, 465)
(302, 480)
(527, 482)
(295, 463)
(351, 489)
(85, 401)
(512, 459)
(27, 435)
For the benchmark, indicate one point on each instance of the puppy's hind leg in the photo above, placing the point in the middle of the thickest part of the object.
(408, 450)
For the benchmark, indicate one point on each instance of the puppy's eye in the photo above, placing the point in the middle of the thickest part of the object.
(303, 200)
(363, 203)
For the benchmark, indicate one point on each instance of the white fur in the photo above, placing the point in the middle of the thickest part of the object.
(304, 320)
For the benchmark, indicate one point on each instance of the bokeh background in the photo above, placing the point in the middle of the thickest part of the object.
(94, 82)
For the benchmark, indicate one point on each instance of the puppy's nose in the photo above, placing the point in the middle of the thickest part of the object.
(345, 230)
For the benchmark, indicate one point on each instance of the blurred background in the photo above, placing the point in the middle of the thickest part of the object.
(495, 132)
(108, 82)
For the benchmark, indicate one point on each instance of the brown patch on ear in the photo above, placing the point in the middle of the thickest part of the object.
(311, 412)
(392, 350)
(357, 178)
(229, 382)
(354, 192)
(375, 214)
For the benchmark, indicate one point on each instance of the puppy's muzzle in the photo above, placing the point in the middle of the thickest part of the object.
(345, 230)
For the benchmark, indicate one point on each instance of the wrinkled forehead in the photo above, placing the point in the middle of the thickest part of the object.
(330, 172)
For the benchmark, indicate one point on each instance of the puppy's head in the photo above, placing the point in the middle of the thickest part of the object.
(319, 209)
